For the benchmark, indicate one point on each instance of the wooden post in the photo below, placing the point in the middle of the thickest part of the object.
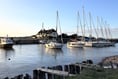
(27, 76)
(59, 67)
(49, 76)
(35, 74)
(41, 75)
(111, 65)
(66, 68)
(72, 69)
(77, 69)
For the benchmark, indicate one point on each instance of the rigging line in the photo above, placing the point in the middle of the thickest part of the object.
(82, 29)
(101, 27)
(90, 29)
(80, 24)
(57, 22)
(83, 25)
(109, 31)
(95, 28)
(77, 22)
(58, 25)
(106, 31)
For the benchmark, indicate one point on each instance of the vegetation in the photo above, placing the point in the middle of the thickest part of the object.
(97, 74)
(46, 31)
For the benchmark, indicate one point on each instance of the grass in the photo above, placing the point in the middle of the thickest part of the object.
(97, 74)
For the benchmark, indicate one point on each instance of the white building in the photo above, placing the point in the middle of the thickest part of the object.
(47, 33)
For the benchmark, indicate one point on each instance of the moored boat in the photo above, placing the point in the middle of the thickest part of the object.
(53, 45)
(6, 42)
(99, 44)
(76, 44)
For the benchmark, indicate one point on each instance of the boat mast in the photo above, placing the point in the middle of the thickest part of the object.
(79, 22)
(58, 25)
(90, 36)
(97, 27)
(94, 27)
(42, 26)
(99, 23)
(105, 28)
(109, 31)
(57, 21)
(101, 27)
(83, 24)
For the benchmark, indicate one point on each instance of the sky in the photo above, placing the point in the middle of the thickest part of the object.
(25, 17)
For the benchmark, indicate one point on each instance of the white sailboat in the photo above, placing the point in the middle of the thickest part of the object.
(90, 42)
(95, 43)
(109, 32)
(53, 43)
(76, 44)
(99, 43)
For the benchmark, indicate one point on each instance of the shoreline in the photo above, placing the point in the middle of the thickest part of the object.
(67, 69)
(90, 67)
(109, 60)
(34, 40)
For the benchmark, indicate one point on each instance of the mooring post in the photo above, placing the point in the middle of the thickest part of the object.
(41, 75)
(77, 69)
(59, 67)
(72, 69)
(81, 68)
(111, 65)
(35, 74)
(49, 76)
(66, 68)
(27, 76)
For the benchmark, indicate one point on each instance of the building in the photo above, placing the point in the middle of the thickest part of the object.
(50, 33)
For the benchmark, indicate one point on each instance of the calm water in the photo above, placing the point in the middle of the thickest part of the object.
(25, 58)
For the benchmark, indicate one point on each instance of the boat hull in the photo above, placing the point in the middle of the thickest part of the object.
(99, 44)
(75, 44)
(54, 45)
(6, 45)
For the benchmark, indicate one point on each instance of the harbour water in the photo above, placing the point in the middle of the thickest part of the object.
(24, 58)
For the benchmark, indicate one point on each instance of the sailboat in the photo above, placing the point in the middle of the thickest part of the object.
(107, 43)
(90, 42)
(76, 43)
(111, 43)
(99, 43)
(54, 44)
(42, 40)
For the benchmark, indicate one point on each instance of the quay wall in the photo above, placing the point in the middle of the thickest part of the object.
(25, 40)
(31, 40)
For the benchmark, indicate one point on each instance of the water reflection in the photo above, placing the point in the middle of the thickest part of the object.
(25, 58)
(53, 52)
(78, 54)
(76, 50)
(6, 54)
